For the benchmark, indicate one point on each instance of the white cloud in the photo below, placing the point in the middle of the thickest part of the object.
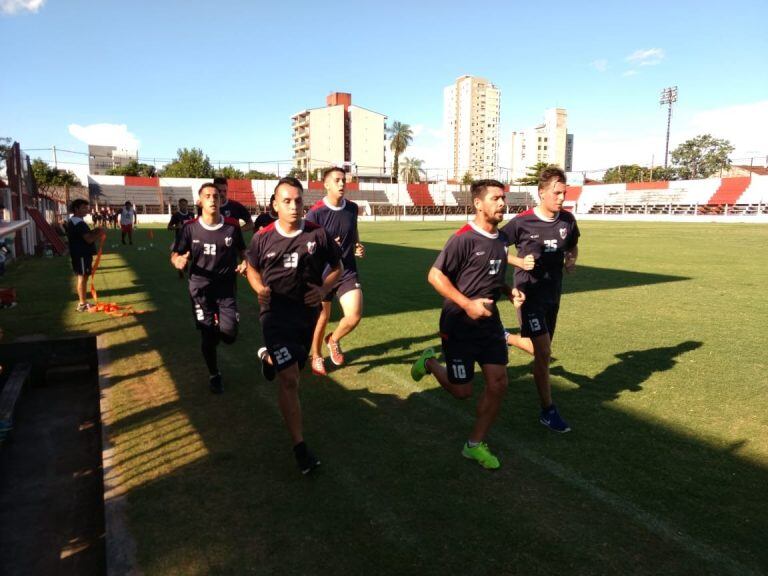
(629, 73)
(649, 57)
(744, 125)
(600, 65)
(105, 135)
(417, 129)
(15, 6)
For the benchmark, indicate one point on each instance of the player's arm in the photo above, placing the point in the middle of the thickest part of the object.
(248, 224)
(515, 296)
(359, 248)
(180, 251)
(257, 283)
(92, 235)
(475, 309)
(570, 259)
(315, 294)
(179, 261)
(172, 224)
(526, 263)
(241, 268)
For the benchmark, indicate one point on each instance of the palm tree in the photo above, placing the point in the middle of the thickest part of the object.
(411, 170)
(401, 136)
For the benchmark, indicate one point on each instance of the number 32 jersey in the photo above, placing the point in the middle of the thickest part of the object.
(213, 250)
(289, 262)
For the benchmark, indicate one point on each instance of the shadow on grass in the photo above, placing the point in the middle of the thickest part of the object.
(394, 495)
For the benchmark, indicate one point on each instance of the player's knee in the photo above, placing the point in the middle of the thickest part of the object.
(288, 380)
(542, 350)
(462, 391)
(228, 334)
(497, 385)
(353, 319)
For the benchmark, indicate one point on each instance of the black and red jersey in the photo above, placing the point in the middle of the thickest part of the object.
(289, 262)
(475, 261)
(213, 250)
(231, 209)
(178, 219)
(548, 240)
(340, 222)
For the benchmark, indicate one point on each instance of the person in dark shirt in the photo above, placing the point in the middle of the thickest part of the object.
(213, 247)
(286, 261)
(178, 219)
(232, 208)
(469, 275)
(82, 248)
(338, 216)
(546, 239)
(267, 217)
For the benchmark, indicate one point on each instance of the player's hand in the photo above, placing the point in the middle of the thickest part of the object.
(529, 262)
(479, 308)
(570, 262)
(264, 294)
(241, 268)
(180, 261)
(314, 295)
(517, 298)
(359, 250)
(337, 240)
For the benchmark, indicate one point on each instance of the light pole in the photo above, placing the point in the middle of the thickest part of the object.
(668, 96)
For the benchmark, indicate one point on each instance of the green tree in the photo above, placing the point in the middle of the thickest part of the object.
(5, 147)
(467, 178)
(47, 176)
(229, 172)
(701, 157)
(401, 136)
(258, 175)
(297, 172)
(133, 168)
(532, 176)
(411, 170)
(636, 173)
(189, 163)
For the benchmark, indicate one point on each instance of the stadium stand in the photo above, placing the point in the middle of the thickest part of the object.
(420, 195)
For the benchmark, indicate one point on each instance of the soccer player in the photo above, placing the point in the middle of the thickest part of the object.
(469, 275)
(128, 220)
(232, 208)
(339, 218)
(81, 249)
(267, 217)
(212, 246)
(178, 219)
(286, 261)
(546, 239)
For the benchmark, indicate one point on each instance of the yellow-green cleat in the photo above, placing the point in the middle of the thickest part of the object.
(419, 368)
(482, 454)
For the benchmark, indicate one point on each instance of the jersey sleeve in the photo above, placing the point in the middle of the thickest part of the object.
(244, 215)
(510, 230)
(253, 253)
(449, 259)
(183, 243)
(332, 250)
(312, 216)
(575, 234)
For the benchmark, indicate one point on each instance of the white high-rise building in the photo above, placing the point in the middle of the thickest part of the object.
(549, 142)
(471, 118)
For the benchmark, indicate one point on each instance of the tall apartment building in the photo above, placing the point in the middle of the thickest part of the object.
(340, 134)
(103, 158)
(549, 142)
(471, 118)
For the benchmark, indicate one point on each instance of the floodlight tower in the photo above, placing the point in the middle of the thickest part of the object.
(669, 97)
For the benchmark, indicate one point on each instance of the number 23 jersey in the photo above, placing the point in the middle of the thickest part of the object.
(290, 261)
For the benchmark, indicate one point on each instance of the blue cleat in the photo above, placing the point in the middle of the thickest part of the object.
(550, 417)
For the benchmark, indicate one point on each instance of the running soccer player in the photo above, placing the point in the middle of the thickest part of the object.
(339, 218)
(81, 249)
(128, 220)
(212, 246)
(286, 261)
(546, 239)
(267, 217)
(178, 219)
(232, 208)
(469, 275)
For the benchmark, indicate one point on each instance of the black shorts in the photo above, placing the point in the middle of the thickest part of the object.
(215, 305)
(537, 318)
(288, 331)
(349, 281)
(462, 349)
(82, 265)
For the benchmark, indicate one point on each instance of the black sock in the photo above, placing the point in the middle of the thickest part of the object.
(209, 351)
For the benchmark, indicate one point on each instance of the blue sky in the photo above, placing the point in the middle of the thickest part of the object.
(227, 76)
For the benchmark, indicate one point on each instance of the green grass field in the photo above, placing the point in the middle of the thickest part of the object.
(660, 371)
